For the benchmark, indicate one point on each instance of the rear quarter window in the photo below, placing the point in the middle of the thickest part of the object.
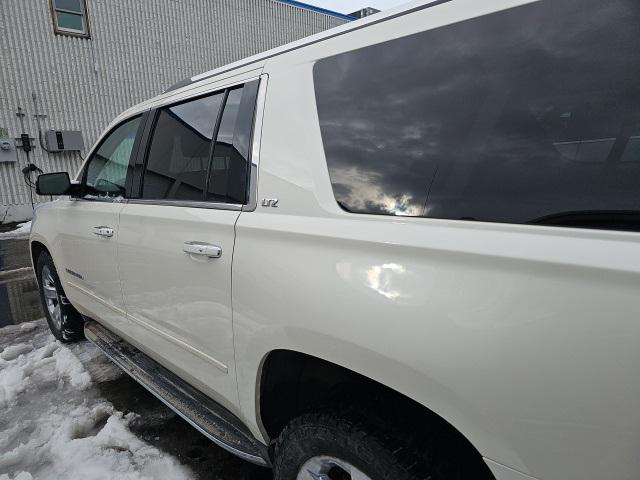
(530, 115)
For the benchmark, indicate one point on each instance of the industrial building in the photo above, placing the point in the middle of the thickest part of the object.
(70, 66)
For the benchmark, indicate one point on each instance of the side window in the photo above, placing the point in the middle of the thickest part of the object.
(184, 163)
(230, 165)
(521, 116)
(180, 150)
(106, 172)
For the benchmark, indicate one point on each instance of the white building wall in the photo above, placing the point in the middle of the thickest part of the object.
(137, 49)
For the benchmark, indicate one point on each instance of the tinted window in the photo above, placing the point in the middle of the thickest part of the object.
(531, 115)
(180, 151)
(229, 169)
(106, 172)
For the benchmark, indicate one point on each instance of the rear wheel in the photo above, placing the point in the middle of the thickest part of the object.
(374, 437)
(332, 447)
(323, 467)
(65, 322)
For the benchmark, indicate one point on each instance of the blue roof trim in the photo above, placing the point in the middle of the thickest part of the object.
(313, 8)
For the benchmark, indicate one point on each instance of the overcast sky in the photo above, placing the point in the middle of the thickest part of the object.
(348, 6)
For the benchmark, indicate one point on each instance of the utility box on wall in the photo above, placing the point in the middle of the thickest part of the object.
(64, 140)
(8, 150)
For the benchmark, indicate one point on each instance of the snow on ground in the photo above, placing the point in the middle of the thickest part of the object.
(22, 231)
(55, 425)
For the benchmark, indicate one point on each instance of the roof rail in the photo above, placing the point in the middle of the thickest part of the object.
(319, 37)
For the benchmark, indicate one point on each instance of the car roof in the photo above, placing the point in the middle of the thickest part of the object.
(330, 33)
(203, 78)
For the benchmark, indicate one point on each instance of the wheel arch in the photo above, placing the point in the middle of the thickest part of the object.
(36, 247)
(291, 383)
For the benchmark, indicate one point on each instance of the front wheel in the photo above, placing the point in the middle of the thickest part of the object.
(65, 322)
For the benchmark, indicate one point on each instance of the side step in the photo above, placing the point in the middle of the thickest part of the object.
(206, 415)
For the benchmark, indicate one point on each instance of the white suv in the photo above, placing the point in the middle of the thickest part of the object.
(406, 248)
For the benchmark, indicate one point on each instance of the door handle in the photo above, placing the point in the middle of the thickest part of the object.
(103, 231)
(204, 249)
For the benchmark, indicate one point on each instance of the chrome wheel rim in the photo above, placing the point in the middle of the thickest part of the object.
(51, 297)
(329, 468)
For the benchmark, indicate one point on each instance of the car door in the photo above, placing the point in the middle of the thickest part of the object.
(176, 240)
(89, 227)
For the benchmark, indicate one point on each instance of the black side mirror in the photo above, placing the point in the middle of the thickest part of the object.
(56, 184)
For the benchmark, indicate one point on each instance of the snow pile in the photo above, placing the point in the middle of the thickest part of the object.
(14, 351)
(86, 442)
(22, 231)
(54, 423)
(25, 367)
(68, 366)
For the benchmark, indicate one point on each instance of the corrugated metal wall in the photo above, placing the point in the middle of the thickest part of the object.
(137, 49)
(22, 301)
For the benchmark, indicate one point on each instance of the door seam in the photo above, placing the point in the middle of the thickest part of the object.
(233, 319)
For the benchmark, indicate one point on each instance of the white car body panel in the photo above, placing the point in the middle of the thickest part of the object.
(90, 272)
(505, 331)
(484, 335)
(179, 311)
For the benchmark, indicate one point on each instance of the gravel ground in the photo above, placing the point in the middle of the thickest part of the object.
(68, 412)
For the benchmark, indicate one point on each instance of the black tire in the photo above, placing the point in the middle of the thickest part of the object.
(374, 452)
(379, 448)
(67, 325)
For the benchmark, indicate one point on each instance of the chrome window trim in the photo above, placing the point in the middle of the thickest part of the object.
(186, 203)
(167, 203)
(255, 144)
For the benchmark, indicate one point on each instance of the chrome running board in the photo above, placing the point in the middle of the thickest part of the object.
(207, 416)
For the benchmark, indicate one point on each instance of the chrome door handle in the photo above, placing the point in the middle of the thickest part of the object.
(204, 249)
(103, 231)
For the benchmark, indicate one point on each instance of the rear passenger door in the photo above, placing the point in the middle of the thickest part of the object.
(177, 238)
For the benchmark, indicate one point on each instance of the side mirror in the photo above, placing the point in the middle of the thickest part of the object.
(56, 184)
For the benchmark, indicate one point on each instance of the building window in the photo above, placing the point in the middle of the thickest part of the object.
(70, 17)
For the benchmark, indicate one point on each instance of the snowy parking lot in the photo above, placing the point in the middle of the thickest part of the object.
(56, 424)
(68, 412)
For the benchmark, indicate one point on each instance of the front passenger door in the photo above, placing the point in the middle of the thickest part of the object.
(89, 228)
